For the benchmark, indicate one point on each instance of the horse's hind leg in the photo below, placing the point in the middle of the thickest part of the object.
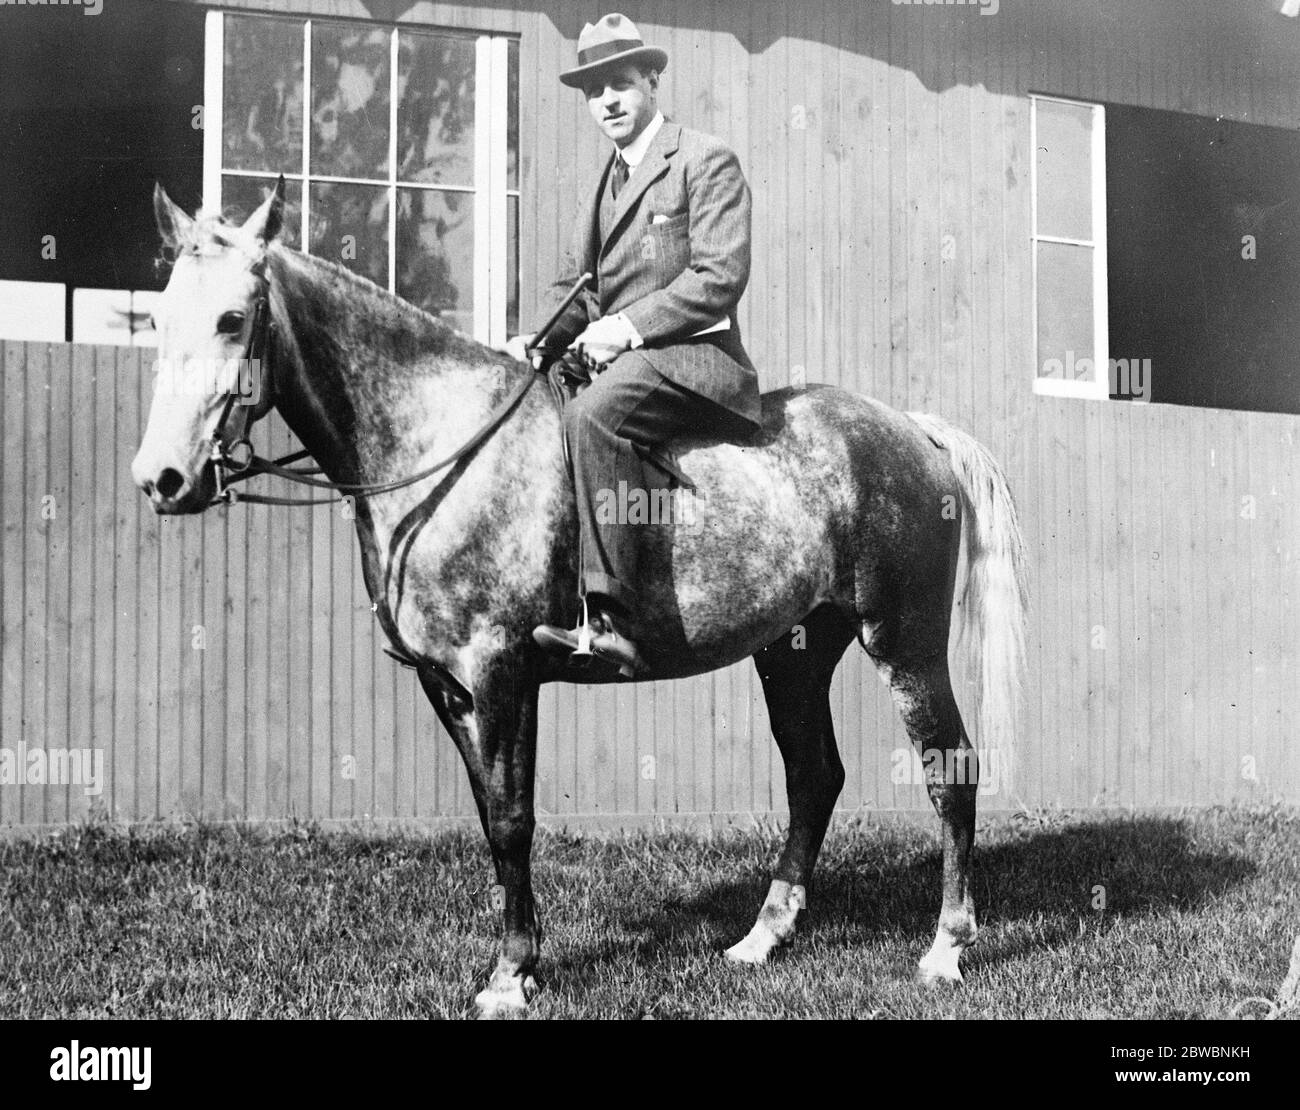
(923, 694)
(796, 675)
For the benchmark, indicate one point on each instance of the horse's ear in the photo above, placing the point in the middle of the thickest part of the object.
(266, 222)
(173, 225)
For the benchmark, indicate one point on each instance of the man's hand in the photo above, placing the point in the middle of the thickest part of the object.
(605, 339)
(517, 348)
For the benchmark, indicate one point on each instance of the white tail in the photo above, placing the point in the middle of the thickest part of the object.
(993, 601)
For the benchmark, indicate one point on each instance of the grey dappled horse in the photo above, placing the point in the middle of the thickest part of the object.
(842, 519)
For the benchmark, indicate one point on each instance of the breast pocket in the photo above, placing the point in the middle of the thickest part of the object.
(667, 243)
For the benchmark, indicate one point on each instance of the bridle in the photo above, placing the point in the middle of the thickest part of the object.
(232, 450)
(235, 460)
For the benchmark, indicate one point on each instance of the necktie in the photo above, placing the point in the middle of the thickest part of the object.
(620, 175)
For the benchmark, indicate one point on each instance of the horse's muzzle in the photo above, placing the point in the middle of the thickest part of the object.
(171, 493)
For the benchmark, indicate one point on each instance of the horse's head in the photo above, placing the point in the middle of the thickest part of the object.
(205, 322)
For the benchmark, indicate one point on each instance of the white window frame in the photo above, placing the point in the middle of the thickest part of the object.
(1099, 387)
(491, 188)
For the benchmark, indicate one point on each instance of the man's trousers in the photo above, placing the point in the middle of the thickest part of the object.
(629, 405)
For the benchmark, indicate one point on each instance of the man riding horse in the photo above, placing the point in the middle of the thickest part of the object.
(666, 234)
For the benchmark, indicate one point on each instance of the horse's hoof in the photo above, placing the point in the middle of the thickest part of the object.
(505, 999)
(759, 943)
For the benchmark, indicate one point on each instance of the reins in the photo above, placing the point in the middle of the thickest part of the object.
(236, 461)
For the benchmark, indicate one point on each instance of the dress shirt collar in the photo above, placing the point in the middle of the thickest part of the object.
(634, 152)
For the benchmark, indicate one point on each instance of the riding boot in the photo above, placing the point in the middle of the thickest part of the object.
(598, 638)
(614, 647)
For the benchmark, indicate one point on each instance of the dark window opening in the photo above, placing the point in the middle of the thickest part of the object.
(95, 110)
(1188, 201)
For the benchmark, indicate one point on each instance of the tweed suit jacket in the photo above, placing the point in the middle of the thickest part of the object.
(675, 261)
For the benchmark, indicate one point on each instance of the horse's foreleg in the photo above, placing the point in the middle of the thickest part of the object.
(796, 683)
(498, 742)
(924, 698)
(511, 838)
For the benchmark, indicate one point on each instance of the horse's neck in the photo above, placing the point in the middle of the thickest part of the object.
(369, 385)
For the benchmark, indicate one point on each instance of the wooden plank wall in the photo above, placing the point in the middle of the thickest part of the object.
(228, 665)
(1163, 652)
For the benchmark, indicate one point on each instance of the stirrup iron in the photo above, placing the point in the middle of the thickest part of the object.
(584, 633)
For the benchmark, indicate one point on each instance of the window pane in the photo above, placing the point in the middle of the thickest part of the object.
(262, 95)
(512, 265)
(348, 224)
(435, 253)
(349, 100)
(512, 119)
(435, 110)
(1064, 309)
(240, 197)
(1064, 169)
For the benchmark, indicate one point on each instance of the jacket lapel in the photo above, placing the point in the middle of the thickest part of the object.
(653, 166)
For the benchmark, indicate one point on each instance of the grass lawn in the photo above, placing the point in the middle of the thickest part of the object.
(198, 921)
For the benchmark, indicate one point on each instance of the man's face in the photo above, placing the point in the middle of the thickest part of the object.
(622, 101)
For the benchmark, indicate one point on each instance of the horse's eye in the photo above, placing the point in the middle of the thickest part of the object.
(231, 323)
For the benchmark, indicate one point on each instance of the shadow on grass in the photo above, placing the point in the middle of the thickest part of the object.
(885, 884)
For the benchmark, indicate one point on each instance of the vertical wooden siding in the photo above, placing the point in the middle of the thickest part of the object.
(1163, 647)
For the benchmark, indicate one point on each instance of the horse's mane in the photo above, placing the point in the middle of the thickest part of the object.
(412, 329)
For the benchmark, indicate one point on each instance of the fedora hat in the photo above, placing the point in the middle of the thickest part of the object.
(610, 41)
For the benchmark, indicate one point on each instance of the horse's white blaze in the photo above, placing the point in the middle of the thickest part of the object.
(775, 925)
(176, 436)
